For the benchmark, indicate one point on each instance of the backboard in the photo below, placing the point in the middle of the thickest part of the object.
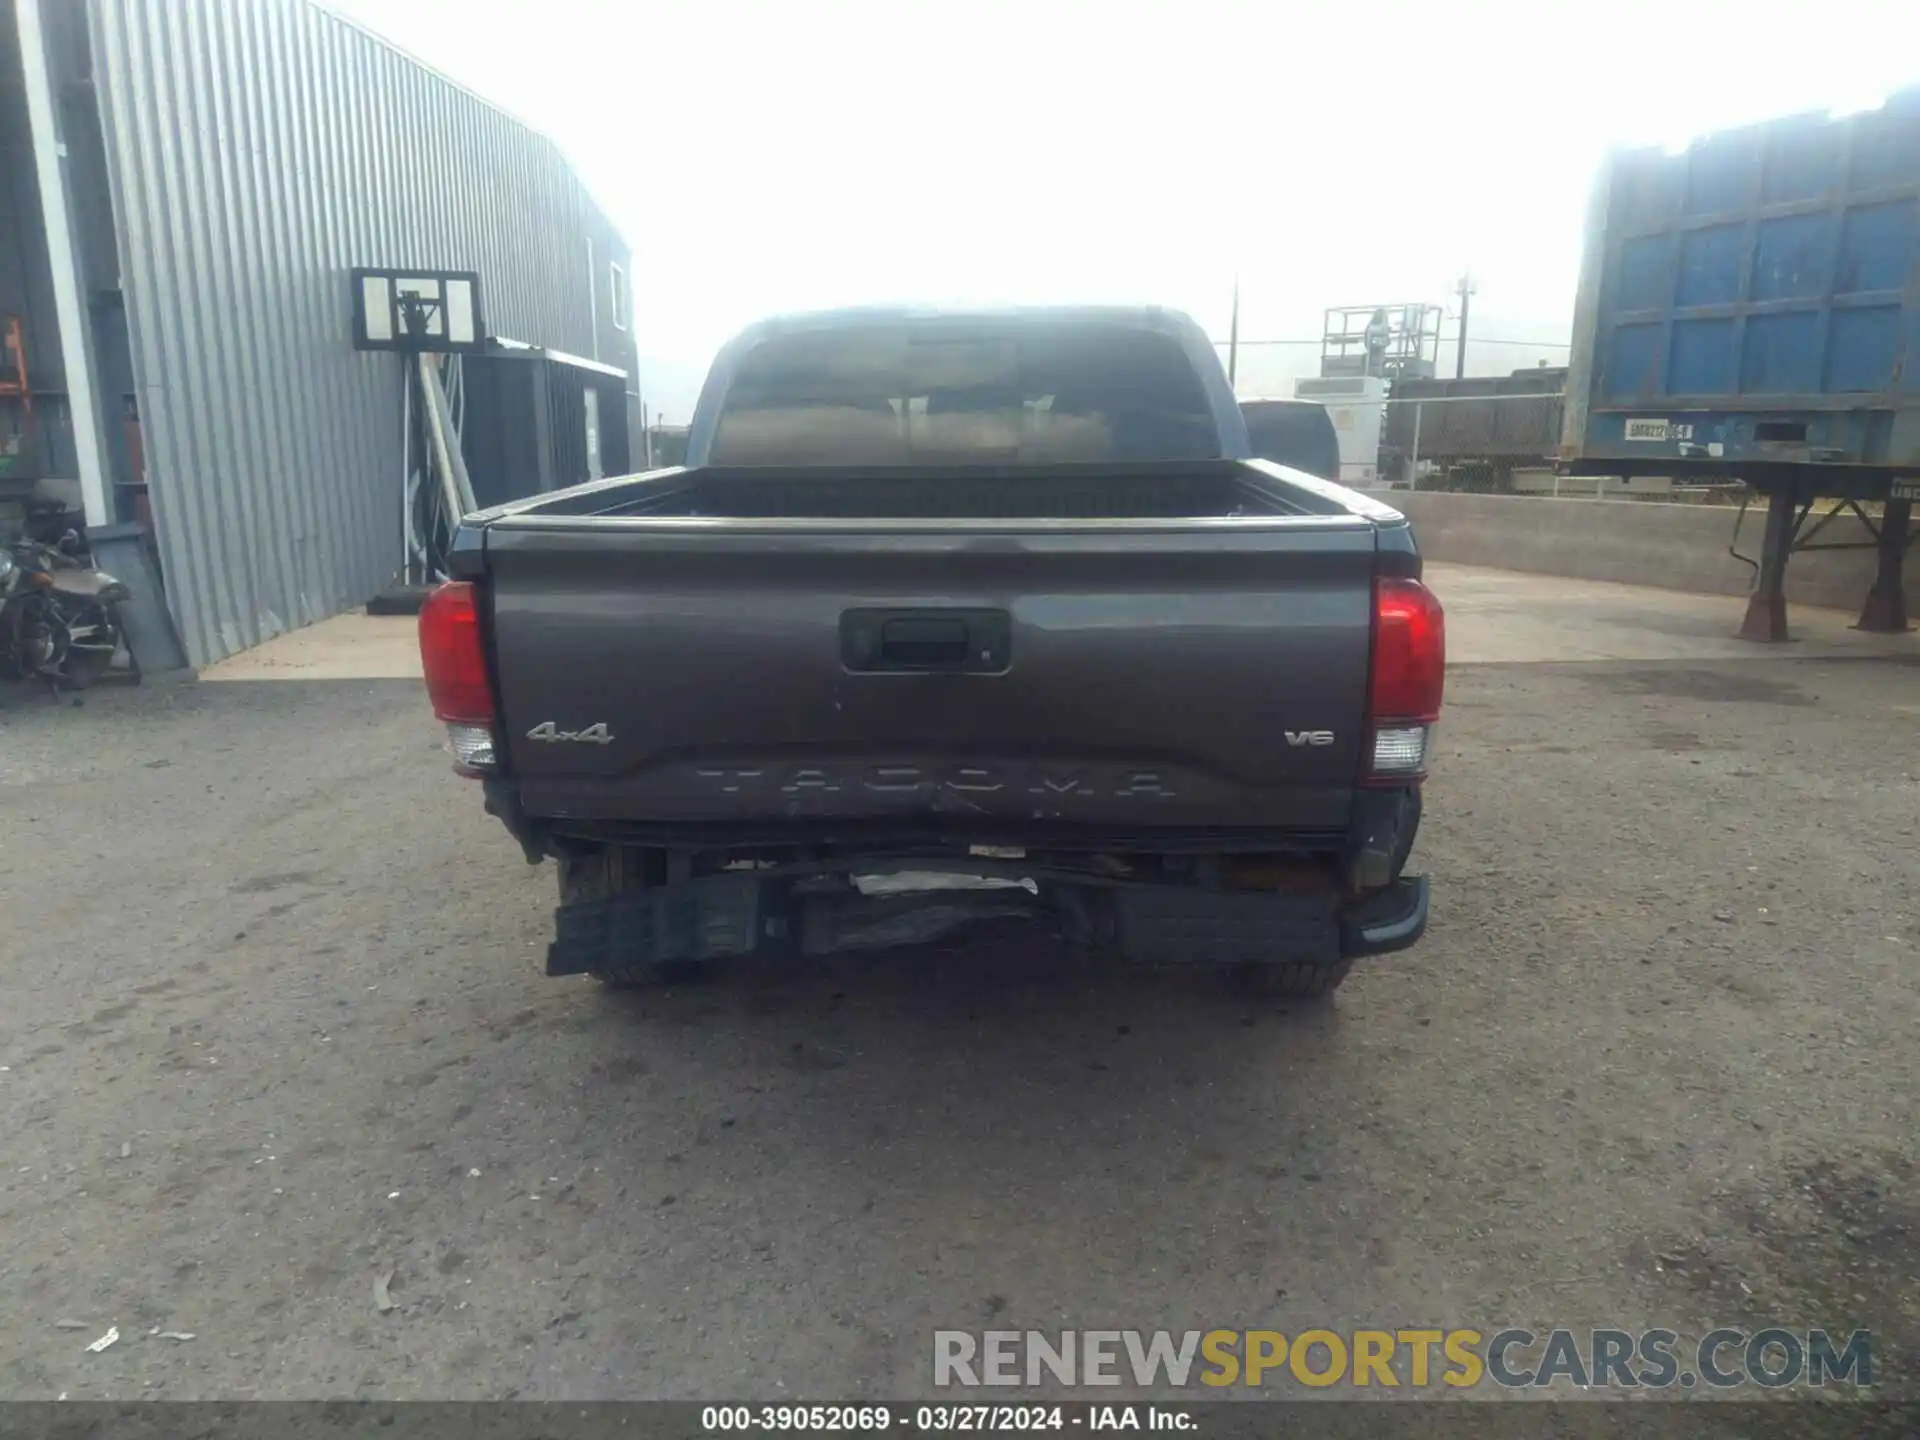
(417, 310)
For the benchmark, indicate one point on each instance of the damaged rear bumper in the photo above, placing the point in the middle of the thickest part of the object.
(727, 916)
(1390, 919)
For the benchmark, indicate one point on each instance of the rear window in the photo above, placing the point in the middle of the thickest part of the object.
(912, 393)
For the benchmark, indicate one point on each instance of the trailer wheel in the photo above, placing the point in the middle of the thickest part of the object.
(602, 873)
(1293, 979)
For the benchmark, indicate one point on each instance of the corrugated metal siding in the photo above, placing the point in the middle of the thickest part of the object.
(260, 149)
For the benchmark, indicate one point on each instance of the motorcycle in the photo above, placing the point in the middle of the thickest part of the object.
(58, 619)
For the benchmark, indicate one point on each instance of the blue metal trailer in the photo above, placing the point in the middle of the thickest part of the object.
(1751, 307)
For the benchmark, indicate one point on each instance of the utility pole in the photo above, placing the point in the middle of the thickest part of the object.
(1464, 289)
(1233, 336)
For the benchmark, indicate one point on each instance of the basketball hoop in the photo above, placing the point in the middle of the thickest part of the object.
(417, 310)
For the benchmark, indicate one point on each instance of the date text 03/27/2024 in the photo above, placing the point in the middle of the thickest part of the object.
(941, 1419)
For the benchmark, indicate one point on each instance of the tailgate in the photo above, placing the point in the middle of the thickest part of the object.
(1178, 674)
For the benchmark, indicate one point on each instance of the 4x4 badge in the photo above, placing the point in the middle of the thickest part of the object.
(592, 735)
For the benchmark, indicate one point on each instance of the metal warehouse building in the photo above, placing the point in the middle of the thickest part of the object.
(185, 189)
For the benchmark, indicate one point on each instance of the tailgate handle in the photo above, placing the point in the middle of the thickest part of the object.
(964, 641)
(925, 642)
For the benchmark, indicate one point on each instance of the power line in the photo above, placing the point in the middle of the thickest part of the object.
(1475, 340)
(1537, 344)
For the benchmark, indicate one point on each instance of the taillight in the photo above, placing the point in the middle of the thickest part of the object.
(455, 663)
(1409, 672)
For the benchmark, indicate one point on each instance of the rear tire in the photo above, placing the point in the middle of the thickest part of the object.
(600, 875)
(1294, 980)
(85, 664)
(85, 668)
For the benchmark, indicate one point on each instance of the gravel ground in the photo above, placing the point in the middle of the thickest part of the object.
(273, 1029)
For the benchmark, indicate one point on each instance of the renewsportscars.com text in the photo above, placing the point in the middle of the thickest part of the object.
(1411, 1358)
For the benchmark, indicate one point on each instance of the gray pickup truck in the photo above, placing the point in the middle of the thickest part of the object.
(953, 616)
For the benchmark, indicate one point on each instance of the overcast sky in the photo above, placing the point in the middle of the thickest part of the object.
(763, 157)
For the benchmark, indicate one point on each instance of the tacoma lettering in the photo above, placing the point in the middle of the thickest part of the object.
(919, 780)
